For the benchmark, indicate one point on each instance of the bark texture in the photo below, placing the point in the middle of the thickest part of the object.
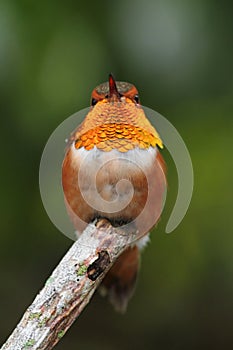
(69, 288)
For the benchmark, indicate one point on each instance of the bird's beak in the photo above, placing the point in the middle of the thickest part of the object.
(113, 92)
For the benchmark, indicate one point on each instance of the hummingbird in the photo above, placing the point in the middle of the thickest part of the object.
(113, 169)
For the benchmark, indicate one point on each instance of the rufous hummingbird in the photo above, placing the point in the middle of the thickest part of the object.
(116, 142)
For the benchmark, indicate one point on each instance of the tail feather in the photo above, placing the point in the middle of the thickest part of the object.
(120, 281)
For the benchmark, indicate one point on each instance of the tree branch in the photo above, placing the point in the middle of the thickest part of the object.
(70, 287)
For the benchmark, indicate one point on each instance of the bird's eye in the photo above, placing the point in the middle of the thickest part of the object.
(93, 101)
(136, 98)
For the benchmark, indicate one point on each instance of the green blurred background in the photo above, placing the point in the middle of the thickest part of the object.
(179, 54)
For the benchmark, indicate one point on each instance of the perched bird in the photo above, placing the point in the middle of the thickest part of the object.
(113, 169)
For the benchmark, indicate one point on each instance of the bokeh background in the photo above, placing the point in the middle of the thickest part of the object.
(179, 54)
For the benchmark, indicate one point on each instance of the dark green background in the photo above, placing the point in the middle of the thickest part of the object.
(179, 54)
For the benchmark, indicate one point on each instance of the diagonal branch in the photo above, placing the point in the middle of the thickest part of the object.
(70, 287)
